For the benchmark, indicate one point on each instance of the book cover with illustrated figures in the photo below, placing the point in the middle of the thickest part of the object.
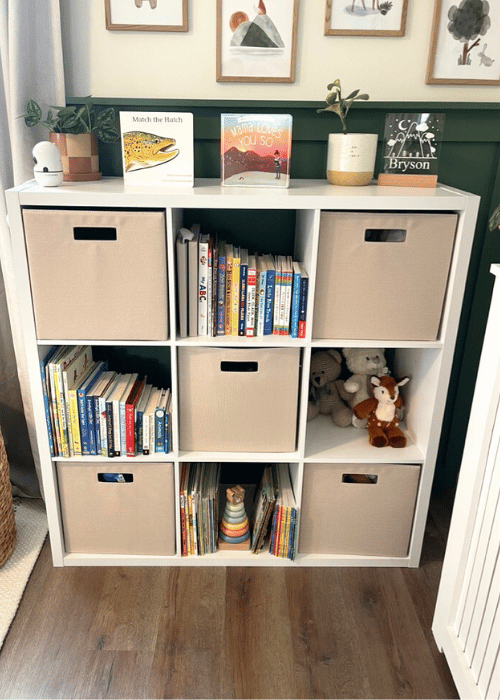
(411, 143)
(157, 148)
(256, 150)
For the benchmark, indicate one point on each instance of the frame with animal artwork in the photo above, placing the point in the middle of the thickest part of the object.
(365, 17)
(146, 15)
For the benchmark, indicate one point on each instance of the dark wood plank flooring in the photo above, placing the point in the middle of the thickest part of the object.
(230, 633)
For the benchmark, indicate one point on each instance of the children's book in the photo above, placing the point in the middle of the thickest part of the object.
(243, 290)
(193, 245)
(157, 148)
(256, 150)
(203, 254)
(181, 251)
(250, 297)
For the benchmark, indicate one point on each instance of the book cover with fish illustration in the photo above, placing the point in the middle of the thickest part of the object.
(157, 148)
(256, 149)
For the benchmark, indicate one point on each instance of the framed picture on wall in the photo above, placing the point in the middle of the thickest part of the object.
(365, 17)
(146, 15)
(256, 41)
(465, 43)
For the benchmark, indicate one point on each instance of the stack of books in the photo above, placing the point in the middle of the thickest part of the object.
(273, 520)
(92, 410)
(199, 508)
(224, 290)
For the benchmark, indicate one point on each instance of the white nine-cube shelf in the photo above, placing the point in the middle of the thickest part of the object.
(320, 453)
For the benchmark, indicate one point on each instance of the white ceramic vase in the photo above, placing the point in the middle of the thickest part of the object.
(351, 158)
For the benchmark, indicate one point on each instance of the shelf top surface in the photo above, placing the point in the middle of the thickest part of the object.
(302, 194)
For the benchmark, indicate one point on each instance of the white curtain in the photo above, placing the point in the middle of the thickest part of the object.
(31, 67)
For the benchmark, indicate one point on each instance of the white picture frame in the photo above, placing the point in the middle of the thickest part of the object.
(146, 15)
(365, 17)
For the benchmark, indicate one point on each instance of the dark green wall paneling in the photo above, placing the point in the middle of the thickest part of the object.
(469, 160)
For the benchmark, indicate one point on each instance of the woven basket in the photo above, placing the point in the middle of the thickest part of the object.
(7, 521)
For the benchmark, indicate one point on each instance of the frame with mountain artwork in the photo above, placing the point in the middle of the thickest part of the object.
(256, 42)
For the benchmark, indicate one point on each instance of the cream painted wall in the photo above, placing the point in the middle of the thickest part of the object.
(181, 65)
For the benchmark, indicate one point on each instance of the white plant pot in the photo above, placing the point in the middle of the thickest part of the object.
(351, 158)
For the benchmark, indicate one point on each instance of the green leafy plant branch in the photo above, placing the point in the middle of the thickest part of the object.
(340, 105)
(84, 119)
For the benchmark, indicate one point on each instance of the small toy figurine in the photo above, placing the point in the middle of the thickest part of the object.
(381, 412)
(48, 170)
(234, 531)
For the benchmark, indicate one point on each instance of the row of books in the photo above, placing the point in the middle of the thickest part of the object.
(273, 520)
(92, 410)
(224, 290)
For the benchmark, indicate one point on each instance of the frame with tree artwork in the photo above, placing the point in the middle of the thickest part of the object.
(465, 43)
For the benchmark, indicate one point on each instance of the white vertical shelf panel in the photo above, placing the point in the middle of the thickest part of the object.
(431, 361)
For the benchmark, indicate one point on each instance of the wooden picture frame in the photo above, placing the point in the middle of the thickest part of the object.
(453, 61)
(256, 47)
(365, 17)
(146, 16)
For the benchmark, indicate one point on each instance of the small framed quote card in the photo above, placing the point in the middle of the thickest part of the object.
(157, 148)
(411, 149)
(255, 150)
(465, 43)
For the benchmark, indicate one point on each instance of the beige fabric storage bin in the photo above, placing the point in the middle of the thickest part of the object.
(241, 400)
(343, 517)
(135, 517)
(382, 275)
(98, 275)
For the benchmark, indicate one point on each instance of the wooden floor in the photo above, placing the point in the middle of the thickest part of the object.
(229, 633)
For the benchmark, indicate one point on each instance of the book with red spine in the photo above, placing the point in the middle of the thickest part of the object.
(130, 404)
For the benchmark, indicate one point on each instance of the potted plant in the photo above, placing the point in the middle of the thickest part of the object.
(351, 157)
(75, 131)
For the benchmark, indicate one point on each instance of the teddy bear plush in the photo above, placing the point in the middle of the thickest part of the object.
(363, 363)
(324, 397)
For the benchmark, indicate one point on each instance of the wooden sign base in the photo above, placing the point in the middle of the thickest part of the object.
(400, 180)
(240, 546)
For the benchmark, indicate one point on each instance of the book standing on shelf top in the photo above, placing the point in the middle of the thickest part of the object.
(157, 148)
(256, 150)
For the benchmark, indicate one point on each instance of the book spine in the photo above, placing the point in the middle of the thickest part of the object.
(123, 433)
(215, 275)
(277, 302)
(227, 301)
(46, 399)
(243, 299)
(221, 294)
(145, 433)
(116, 427)
(89, 403)
(294, 321)
(97, 425)
(130, 430)
(82, 413)
(101, 419)
(235, 296)
(139, 421)
(182, 502)
(304, 288)
(209, 289)
(61, 414)
(202, 288)
(260, 305)
(282, 310)
(250, 303)
(269, 300)
(74, 422)
(166, 438)
(110, 429)
(159, 423)
(288, 302)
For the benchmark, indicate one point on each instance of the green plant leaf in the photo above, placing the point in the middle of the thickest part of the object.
(105, 116)
(363, 97)
(352, 95)
(335, 84)
(331, 98)
(66, 112)
(106, 133)
(33, 109)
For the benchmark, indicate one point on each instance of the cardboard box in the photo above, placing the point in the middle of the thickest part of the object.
(243, 400)
(360, 509)
(98, 275)
(132, 517)
(382, 276)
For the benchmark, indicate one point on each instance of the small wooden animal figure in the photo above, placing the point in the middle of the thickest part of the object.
(383, 428)
(234, 530)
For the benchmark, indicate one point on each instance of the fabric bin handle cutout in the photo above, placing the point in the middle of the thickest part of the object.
(94, 233)
(385, 235)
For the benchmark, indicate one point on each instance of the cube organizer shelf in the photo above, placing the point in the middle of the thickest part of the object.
(412, 277)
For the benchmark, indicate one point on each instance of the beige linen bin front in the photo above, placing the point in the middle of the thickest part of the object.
(340, 516)
(382, 276)
(98, 275)
(242, 400)
(135, 517)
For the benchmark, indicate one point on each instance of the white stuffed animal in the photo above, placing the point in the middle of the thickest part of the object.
(363, 363)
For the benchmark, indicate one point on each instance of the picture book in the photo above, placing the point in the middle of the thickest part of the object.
(256, 150)
(157, 148)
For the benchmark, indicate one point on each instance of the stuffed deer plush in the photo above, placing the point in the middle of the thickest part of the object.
(380, 409)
